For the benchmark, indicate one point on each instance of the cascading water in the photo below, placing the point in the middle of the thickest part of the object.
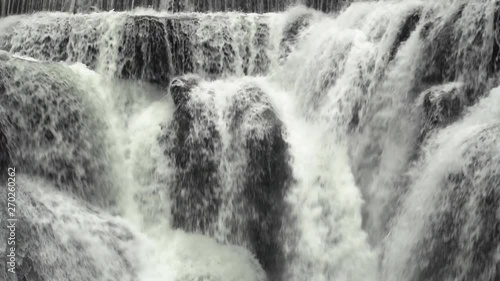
(11, 7)
(357, 146)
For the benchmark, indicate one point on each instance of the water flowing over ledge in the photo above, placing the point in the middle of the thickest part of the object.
(13, 7)
(298, 145)
(154, 47)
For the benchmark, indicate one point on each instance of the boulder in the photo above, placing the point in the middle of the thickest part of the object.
(267, 176)
(53, 130)
(60, 238)
(464, 232)
(192, 142)
(256, 155)
(441, 106)
(459, 46)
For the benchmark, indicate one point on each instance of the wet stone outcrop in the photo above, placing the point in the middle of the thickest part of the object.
(251, 206)
(450, 55)
(4, 150)
(214, 46)
(261, 42)
(154, 49)
(407, 27)
(144, 51)
(59, 238)
(439, 47)
(147, 48)
(327, 6)
(441, 106)
(63, 38)
(217, 53)
(180, 34)
(267, 176)
(464, 232)
(192, 142)
(291, 33)
(495, 56)
(53, 130)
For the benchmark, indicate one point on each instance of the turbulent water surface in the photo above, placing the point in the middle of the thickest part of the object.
(360, 145)
(10, 7)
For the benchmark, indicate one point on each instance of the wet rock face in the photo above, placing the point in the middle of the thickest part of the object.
(258, 6)
(53, 42)
(64, 38)
(495, 56)
(450, 54)
(192, 142)
(147, 48)
(256, 154)
(261, 42)
(217, 52)
(59, 238)
(327, 6)
(51, 129)
(180, 33)
(212, 46)
(465, 230)
(180, 90)
(291, 33)
(4, 153)
(439, 47)
(144, 51)
(441, 106)
(407, 27)
(4, 146)
(267, 176)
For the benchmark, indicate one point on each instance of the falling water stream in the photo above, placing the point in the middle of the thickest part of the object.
(359, 145)
(11, 7)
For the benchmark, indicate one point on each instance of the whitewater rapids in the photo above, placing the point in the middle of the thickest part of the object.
(297, 145)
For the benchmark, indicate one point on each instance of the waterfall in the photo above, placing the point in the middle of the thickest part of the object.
(13, 7)
(215, 143)
(151, 48)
